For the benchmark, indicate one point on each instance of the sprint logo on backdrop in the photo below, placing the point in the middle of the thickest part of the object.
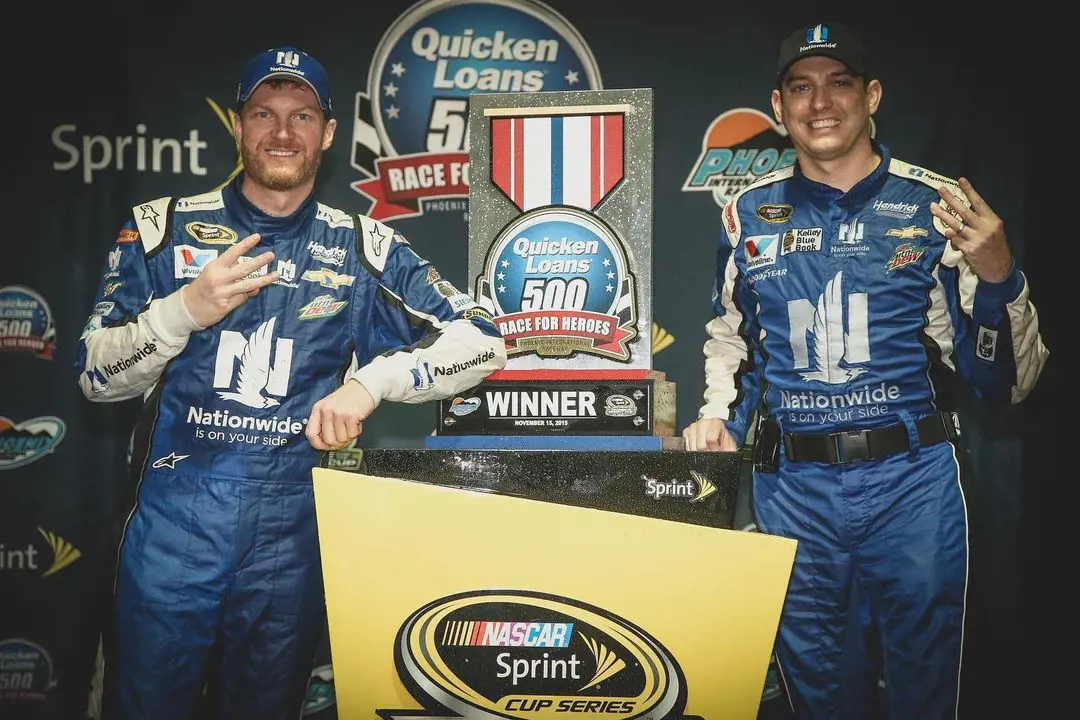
(56, 555)
(411, 133)
(88, 151)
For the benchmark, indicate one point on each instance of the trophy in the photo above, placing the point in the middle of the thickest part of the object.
(560, 256)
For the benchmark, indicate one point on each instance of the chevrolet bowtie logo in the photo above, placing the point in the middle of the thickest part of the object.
(907, 233)
(169, 461)
(327, 278)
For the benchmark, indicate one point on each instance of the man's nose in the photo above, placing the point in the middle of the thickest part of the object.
(282, 128)
(820, 96)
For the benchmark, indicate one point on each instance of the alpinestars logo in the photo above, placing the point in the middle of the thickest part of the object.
(256, 379)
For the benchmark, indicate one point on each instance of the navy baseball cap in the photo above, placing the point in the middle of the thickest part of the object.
(287, 62)
(827, 39)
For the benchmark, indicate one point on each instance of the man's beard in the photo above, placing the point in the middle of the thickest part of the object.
(279, 179)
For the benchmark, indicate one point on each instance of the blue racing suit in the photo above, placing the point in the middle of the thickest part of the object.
(220, 556)
(844, 323)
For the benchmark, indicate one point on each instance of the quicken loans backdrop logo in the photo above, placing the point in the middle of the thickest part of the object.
(519, 654)
(411, 132)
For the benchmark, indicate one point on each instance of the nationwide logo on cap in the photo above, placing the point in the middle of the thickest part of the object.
(285, 61)
(817, 37)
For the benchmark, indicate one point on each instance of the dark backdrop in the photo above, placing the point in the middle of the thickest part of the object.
(131, 69)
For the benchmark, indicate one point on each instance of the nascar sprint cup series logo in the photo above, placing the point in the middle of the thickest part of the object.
(517, 654)
(557, 281)
(411, 126)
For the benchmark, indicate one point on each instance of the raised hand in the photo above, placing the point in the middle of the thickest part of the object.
(224, 285)
(975, 231)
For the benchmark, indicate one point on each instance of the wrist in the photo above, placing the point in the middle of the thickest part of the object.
(170, 320)
(196, 322)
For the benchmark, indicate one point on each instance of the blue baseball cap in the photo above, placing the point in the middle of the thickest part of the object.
(286, 62)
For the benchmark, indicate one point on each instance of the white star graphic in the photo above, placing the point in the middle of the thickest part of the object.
(571, 77)
(377, 239)
(392, 112)
(501, 276)
(610, 275)
(505, 263)
(390, 90)
(609, 288)
(169, 460)
(397, 69)
(607, 261)
(149, 213)
(502, 288)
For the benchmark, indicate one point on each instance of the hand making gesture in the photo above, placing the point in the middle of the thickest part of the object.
(224, 285)
(975, 230)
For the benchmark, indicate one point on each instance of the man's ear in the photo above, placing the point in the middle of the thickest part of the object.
(328, 133)
(777, 107)
(873, 95)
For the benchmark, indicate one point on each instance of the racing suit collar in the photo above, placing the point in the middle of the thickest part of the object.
(824, 195)
(269, 225)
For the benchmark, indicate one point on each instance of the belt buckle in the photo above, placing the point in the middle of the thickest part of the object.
(851, 446)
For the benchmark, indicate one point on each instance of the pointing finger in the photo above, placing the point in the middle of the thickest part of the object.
(978, 206)
(952, 197)
(259, 281)
(953, 226)
(246, 266)
(231, 255)
(973, 197)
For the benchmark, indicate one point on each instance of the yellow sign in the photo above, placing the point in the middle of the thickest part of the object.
(497, 606)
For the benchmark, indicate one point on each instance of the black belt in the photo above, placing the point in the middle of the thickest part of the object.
(856, 445)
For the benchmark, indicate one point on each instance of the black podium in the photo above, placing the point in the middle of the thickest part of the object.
(693, 487)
